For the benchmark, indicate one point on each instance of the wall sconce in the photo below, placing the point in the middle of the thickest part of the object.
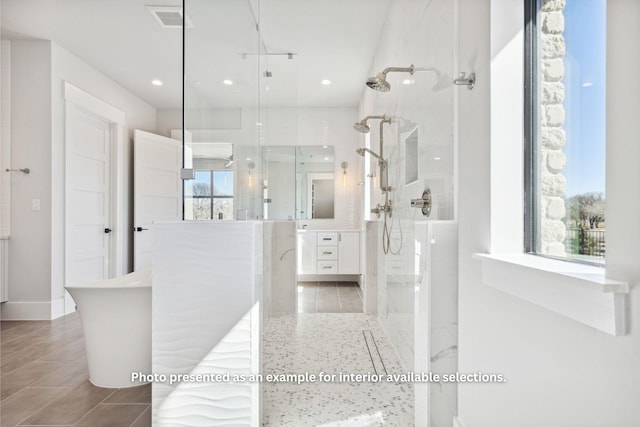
(344, 166)
(251, 166)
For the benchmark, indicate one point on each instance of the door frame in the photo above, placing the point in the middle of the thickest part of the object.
(76, 98)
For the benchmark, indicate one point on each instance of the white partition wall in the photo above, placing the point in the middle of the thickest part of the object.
(207, 278)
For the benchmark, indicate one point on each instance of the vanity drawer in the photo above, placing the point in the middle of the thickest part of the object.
(327, 267)
(327, 252)
(327, 239)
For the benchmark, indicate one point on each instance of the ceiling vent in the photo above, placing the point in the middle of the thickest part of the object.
(169, 16)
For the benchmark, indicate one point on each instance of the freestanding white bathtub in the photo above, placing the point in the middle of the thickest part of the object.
(116, 319)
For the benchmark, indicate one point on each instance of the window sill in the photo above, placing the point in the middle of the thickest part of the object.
(580, 292)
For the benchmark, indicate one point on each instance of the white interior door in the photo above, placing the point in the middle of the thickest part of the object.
(88, 242)
(157, 189)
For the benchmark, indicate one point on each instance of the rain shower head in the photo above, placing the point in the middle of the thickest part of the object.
(362, 125)
(379, 83)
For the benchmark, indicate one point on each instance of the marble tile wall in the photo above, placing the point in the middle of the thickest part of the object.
(372, 266)
(436, 326)
(280, 267)
(419, 33)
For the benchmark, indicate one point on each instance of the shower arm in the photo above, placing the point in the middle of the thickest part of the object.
(409, 70)
(366, 119)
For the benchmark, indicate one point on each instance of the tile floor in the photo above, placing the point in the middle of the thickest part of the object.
(334, 344)
(329, 297)
(45, 381)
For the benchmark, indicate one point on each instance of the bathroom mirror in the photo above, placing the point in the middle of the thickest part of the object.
(299, 182)
(210, 194)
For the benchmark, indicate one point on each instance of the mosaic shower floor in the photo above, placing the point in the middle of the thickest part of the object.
(325, 346)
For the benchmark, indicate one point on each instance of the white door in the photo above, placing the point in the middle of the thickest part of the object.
(157, 189)
(88, 147)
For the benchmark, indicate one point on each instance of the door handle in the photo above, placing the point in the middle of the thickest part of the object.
(107, 230)
(139, 229)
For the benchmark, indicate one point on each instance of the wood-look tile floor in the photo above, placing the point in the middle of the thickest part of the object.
(329, 297)
(44, 380)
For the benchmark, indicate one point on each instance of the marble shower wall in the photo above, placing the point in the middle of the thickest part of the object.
(280, 280)
(419, 33)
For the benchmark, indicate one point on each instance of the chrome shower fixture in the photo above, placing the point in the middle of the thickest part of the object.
(362, 125)
(464, 80)
(380, 83)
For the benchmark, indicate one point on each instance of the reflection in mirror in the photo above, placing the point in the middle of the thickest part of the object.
(279, 183)
(314, 182)
(299, 182)
(210, 194)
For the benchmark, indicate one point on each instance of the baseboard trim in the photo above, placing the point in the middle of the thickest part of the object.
(32, 310)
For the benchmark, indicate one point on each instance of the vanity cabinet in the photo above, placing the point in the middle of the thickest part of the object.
(328, 252)
(349, 253)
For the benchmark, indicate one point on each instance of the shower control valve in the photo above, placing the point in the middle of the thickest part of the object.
(423, 203)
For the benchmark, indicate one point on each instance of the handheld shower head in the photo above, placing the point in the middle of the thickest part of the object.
(362, 125)
(363, 150)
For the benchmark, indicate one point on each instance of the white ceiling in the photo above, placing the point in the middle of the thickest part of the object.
(331, 39)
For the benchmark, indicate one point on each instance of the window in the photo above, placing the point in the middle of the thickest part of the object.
(565, 57)
(210, 195)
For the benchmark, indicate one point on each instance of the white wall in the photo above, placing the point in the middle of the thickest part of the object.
(199, 119)
(37, 245)
(559, 372)
(30, 244)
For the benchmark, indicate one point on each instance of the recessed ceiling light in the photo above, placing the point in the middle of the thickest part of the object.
(326, 158)
(326, 82)
(156, 82)
(248, 158)
(436, 158)
(325, 146)
(228, 82)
